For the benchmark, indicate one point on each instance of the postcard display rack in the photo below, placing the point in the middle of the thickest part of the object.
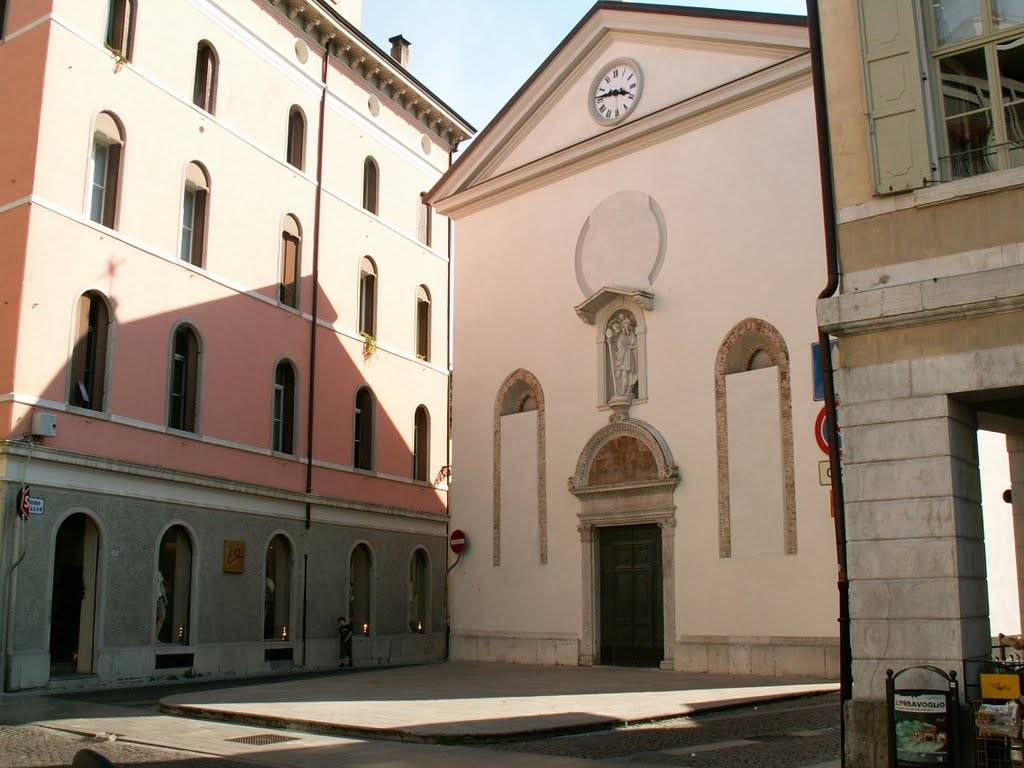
(997, 718)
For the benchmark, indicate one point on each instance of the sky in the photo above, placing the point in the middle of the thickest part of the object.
(475, 54)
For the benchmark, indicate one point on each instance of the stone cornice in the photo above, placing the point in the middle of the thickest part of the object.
(17, 450)
(762, 86)
(642, 488)
(974, 294)
(587, 310)
(360, 58)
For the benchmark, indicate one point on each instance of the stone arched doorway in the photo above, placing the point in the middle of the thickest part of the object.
(73, 598)
(625, 480)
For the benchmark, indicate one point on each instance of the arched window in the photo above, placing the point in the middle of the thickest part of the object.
(426, 221)
(368, 297)
(121, 27)
(105, 169)
(182, 403)
(296, 148)
(291, 240)
(362, 443)
(89, 356)
(421, 445)
(204, 93)
(194, 206)
(371, 185)
(174, 586)
(277, 590)
(419, 592)
(360, 579)
(282, 437)
(423, 323)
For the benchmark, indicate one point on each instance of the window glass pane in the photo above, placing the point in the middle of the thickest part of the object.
(965, 85)
(955, 20)
(1011, 79)
(174, 587)
(99, 181)
(188, 214)
(278, 416)
(1007, 13)
(966, 100)
(277, 590)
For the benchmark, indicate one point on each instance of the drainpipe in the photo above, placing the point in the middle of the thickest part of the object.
(312, 329)
(316, 282)
(448, 428)
(828, 206)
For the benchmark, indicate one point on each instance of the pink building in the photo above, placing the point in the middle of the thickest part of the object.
(224, 344)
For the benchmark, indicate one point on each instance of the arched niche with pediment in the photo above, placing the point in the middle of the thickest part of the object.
(750, 345)
(625, 476)
(521, 392)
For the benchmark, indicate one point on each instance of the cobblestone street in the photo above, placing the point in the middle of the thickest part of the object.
(26, 746)
(803, 732)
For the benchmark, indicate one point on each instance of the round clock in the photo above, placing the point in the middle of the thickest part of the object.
(616, 91)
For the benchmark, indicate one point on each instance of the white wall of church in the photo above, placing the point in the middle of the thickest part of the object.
(725, 189)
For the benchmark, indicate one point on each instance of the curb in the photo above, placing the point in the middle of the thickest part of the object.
(403, 735)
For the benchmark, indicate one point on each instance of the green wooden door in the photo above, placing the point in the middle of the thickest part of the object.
(632, 622)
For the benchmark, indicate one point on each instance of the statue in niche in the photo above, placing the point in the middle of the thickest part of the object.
(620, 336)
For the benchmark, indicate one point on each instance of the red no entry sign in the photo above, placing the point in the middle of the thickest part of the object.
(821, 433)
(457, 541)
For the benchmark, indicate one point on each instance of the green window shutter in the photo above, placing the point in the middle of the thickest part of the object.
(895, 96)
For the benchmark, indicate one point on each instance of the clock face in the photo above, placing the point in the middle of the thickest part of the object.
(616, 91)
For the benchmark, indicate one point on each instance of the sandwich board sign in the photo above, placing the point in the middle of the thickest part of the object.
(922, 721)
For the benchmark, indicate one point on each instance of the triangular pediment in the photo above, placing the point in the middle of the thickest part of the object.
(685, 56)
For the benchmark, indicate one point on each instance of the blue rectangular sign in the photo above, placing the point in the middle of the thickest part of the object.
(817, 372)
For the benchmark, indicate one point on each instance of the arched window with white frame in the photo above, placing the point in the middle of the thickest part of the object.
(90, 352)
(204, 91)
(120, 35)
(105, 169)
(368, 297)
(194, 207)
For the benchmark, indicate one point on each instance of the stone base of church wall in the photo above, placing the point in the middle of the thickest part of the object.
(816, 657)
(552, 650)
(812, 657)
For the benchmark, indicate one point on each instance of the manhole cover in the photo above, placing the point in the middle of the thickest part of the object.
(262, 739)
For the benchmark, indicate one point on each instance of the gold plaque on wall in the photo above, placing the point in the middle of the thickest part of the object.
(234, 556)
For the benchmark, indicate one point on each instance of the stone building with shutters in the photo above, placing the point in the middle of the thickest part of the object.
(633, 415)
(929, 315)
(223, 341)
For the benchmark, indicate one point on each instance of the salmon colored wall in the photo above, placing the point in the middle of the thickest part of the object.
(23, 60)
(231, 301)
(13, 231)
(21, 13)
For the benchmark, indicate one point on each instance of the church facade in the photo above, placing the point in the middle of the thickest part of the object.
(633, 416)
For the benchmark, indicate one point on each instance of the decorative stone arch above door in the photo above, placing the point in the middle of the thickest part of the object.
(625, 475)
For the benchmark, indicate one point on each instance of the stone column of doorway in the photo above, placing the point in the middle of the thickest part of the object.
(587, 561)
(668, 559)
(1015, 448)
(915, 542)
